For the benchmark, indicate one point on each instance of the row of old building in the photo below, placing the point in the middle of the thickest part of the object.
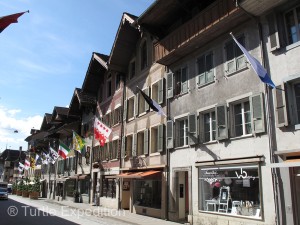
(228, 150)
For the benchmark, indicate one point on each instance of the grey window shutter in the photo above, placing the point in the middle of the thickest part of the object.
(160, 93)
(160, 138)
(147, 92)
(136, 104)
(170, 91)
(125, 110)
(257, 113)
(192, 129)
(134, 144)
(184, 80)
(280, 106)
(273, 32)
(201, 128)
(169, 135)
(221, 122)
(123, 147)
(146, 142)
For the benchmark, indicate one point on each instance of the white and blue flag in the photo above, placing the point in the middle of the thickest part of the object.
(257, 67)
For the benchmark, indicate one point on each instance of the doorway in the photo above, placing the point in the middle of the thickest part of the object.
(183, 196)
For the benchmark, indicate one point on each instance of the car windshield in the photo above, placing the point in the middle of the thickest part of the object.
(3, 189)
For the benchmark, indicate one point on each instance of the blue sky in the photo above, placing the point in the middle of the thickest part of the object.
(46, 54)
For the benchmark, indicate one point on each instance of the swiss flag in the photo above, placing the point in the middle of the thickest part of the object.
(101, 131)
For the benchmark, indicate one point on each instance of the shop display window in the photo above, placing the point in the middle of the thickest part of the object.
(147, 193)
(233, 190)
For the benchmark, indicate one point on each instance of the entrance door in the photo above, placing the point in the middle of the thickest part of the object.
(297, 196)
(183, 195)
(94, 186)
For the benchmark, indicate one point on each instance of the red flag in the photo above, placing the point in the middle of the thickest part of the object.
(5, 21)
(101, 131)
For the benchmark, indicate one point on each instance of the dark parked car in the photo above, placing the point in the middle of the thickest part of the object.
(3, 193)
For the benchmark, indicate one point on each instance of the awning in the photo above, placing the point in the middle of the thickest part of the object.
(138, 175)
(74, 177)
(84, 176)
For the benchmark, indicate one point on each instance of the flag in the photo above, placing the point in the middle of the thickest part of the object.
(21, 167)
(32, 162)
(63, 150)
(53, 155)
(5, 21)
(257, 67)
(153, 104)
(101, 131)
(78, 142)
(27, 164)
(36, 158)
(45, 158)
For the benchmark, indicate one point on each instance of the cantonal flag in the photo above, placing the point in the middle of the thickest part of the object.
(5, 21)
(63, 150)
(101, 131)
(27, 164)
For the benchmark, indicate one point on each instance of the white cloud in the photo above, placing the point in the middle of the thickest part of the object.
(9, 122)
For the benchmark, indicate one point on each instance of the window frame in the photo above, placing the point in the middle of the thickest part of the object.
(294, 11)
(178, 129)
(206, 71)
(180, 87)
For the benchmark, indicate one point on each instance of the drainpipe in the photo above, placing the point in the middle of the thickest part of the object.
(270, 126)
(168, 166)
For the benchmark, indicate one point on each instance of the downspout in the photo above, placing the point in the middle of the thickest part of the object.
(270, 127)
(168, 166)
(121, 139)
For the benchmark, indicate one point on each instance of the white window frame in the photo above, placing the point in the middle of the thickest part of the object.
(182, 91)
(210, 126)
(178, 133)
(206, 72)
(296, 24)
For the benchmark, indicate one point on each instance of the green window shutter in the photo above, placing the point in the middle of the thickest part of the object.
(134, 141)
(257, 113)
(221, 122)
(123, 147)
(201, 128)
(125, 110)
(147, 92)
(184, 80)
(192, 129)
(273, 31)
(160, 138)
(160, 93)
(170, 92)
(136, 104)
(280, 106)
(170, 141)
(146, 142)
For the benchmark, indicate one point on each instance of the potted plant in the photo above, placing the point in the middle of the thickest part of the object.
(20, 186)
(35, 189)
(25, 192)
(14, 188)
(76, 196)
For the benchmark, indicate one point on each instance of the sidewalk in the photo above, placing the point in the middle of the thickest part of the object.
(120, 215)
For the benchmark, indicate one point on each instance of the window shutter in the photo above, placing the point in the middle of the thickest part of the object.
(184, 80)
(160, 138)
(201, 128)
(134, 144)
(125, 110)
(257, 113)
(280, 106)
(147, 92)
(170, 93)
(146, 142)
(192, 129)
(221, 122)
(123, 147)
(273, 32)
(170, 141)
(136, 104)
(160, 93)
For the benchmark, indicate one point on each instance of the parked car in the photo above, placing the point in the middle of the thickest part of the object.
(3, 193)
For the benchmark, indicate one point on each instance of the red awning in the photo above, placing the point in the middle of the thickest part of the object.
(138, 175)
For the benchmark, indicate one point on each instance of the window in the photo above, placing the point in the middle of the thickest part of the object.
(292, 25)
(84, 186)
(130, 107)
(132, 69)
(205, 69)
(70, 187)
(107, 119)
(235, 59)
(147, 193)
(233, 190)
(157, 91)
(242, 119)
(209, 121)
(181, 126)
(143, 49)
(108, 188)
(129, 145)
(287, 103)
(96, 154)
(108, 86)
(114, 149)
(157, 138)
(116, 116)
(181, 81)
(118, 81)
(140, 143)
(143, 106)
